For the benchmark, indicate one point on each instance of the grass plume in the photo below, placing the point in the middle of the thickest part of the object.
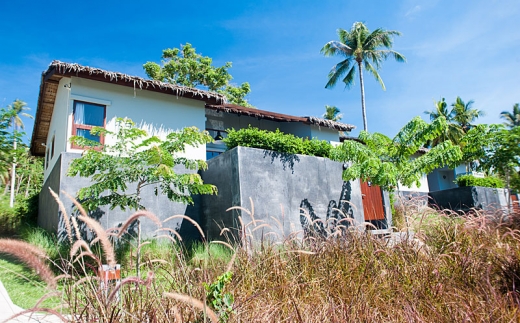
(29, 255)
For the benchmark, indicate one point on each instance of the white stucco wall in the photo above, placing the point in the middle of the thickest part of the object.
(58, 125)
(298, 129)
(157, 113)
(323, 133)
(423, 188)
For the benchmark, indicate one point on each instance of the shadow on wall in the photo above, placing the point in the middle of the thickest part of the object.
(337, 211)
(86, 234)
(287, 160)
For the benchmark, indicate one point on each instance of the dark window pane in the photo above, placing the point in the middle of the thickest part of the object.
(89, 114)
(86, 134)
(211, 154)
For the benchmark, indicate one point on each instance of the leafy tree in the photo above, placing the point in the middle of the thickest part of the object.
(512, 120)
(332, 113)
(15, 110)
(464, 114)
(22, 184)
(388, 162)
(29, 175)
(453, 132)
(184, 66)
(138, 159)
(496, 149)
(360, 47)
(6, 145)
(460, 119)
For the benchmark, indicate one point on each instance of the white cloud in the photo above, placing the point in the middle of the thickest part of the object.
(413, 11)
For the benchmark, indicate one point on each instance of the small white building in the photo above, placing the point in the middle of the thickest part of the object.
(74, 98)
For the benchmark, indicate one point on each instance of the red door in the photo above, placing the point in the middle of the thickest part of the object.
(514, 203)
(372, 201)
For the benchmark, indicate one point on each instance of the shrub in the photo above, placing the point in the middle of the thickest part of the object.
(277, 141)
(470, 180)
(25, 211)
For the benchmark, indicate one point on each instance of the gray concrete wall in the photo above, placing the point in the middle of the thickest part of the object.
(417, 199)
(48, 211)
(50, 218)
(463, 199)
(279, 186)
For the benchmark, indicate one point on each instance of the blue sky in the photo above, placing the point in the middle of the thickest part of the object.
(453, 48)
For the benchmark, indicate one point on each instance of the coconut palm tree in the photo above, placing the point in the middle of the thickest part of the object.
(453, 131)
(512, 120)
(464, 114)
(332, 113)
(360, 47)
(16, 110)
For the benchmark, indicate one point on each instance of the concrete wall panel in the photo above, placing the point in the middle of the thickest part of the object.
(279, 185)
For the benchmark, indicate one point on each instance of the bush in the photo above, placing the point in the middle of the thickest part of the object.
(276, 141)
(25, 210)
(470, 180)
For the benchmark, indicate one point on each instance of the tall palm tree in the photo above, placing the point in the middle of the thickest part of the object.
(453, 132)
(332, 113)
(360, 47)
(464, 114)
(15, 111)
(512, 120)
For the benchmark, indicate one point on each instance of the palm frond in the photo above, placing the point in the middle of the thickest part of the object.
(350, 77)
(512, 120)
(338, 71)
(374, 72)
(334, 47)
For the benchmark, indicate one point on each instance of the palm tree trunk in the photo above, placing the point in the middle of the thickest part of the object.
(13, 176)
(19, 184)
(363, 110)
(27, 187)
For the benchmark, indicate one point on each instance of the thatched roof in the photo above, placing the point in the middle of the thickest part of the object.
(279, 117)
(330, 124)
(57, 70)
(73, 69)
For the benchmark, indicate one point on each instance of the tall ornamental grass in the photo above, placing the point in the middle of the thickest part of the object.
(447, 269)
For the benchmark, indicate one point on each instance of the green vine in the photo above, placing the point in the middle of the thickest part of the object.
(219, 301)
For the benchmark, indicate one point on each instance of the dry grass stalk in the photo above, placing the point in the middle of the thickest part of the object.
(137, 215)
(36, 310)
(130, 280)
(176, 314)
(31, 256)
(98, 229)
(103, 238)
(47, 296)
(68, 227)
(224, 244)
(84, 254)
(172, 231)
(76, 227)
(195, 224)
(77, 245)
(167, 237)
(195, 303)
